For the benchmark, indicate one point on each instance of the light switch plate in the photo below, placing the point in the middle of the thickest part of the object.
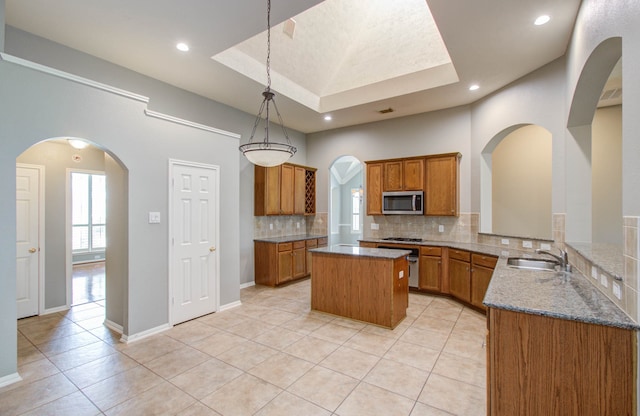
(440, 228)
(615, 287)
(594, 273)
(375, 226)
(545, 246)
(603, 280)
(154, 218)
(527, 244)
(505, 241)
(401, 274)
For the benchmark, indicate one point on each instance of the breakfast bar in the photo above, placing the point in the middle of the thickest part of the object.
(367, 284)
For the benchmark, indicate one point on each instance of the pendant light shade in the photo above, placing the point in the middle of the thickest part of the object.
(267, 153)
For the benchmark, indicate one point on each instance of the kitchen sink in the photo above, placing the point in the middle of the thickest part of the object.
(532, 264)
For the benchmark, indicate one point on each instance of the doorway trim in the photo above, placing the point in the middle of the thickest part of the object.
(172, 164)
(41, 230)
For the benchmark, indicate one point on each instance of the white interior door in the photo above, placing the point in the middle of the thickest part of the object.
(27, 239)
(194, 240)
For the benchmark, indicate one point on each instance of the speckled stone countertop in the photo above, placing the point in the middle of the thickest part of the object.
(556, 294)
(289, 238)
(384, 253)
(607, 257)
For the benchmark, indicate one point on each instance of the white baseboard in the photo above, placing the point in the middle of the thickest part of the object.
(113, 326)
(248, 284)
(49, 311)
(10, 379)
(230, 306)
(145, 334)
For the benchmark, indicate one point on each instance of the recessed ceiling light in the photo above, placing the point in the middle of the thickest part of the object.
(328, 117)
(474, 87)
(182, 47)
(542, 20)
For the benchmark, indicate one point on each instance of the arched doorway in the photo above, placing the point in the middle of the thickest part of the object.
(57, 158)
(346, 213)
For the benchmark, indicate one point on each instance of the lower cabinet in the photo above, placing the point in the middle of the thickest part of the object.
(278, 263)
(481, 271)
(539, 365)
(460, 274)
(430, 269)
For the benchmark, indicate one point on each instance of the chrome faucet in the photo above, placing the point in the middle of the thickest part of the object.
(562, 259)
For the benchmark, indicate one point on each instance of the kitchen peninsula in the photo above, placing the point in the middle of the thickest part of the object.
(367, 284)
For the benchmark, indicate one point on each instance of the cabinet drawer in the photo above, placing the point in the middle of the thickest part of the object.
(459, 255)
(431, 251)
(285, 247)
(312, 243)
(298, 244)
(322, 241)
(483, 260)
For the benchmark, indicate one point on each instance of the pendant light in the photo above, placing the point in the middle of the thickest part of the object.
(265, 152)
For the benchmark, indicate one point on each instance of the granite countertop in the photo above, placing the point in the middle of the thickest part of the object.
(555, 294)
(289, 238)
(384, 253)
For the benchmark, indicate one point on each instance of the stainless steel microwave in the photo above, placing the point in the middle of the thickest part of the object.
(404, 202)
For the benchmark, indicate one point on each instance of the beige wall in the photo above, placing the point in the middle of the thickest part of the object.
(521, 184)
(606, 172)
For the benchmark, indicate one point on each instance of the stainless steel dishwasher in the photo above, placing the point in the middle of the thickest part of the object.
(414, 264)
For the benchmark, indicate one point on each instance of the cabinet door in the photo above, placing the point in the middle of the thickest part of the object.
(442, 197)
(299, 261)
(430, 272)
(268, 193)
(480, 278)
(393, 176)
(460, 279)
(299, 190)
(285, 266)
(413, 175)
(374, 188)
(286, 189)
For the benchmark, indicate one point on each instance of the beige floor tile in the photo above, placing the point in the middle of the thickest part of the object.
(36, 394)
(100, 369)
(243, 396)
(204, 379)
(433, 324)
(370, 343)
(247, 355)
(43, 321)
(461, 369)
(91, 323)
(420, 299)
(444, 309)
(311, 349)
(288, 404)
(423, 358)
(277, 317)
(218, 343)
(454, 396)
(198, 409)
(107, 335)
(349, 323)
(467, 345)
(278, 338)
(222, 320)
(177, 362)
(82, 355)
(121, 387)
(250, 310)
(350, 362)
(250, 328)
(304, 324)
(398, 378)
(281, 369)
(324, 387)
(33, 371)
(63, 344)
(421, 409)
(163, 399)
(334, 333)
(75, 314)
(39, 333)
(394, 333)
(368, 400)
(75, 404)
(425, 337)
(29, 353)
(150, 348)
(190, 332)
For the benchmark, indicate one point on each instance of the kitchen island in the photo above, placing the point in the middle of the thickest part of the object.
(367, 284)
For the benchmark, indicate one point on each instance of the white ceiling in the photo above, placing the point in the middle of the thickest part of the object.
(349, 58)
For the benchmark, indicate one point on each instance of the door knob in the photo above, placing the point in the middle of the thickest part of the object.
(32, 250)
(212, 249)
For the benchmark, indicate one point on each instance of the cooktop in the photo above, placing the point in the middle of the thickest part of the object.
(408, 239)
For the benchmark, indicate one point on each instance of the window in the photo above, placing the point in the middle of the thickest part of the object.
(88, 212)
(356, 198)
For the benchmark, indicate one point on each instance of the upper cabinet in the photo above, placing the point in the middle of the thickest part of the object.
(436, 175)
(286, 189)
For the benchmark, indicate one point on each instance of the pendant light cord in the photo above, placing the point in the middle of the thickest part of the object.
(268, 45)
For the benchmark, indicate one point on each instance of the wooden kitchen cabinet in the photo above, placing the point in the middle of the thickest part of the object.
(278, 263)
(539, 365)
(403, 175)
(286, 189)
(460, 279)
(482, 267)
(313, 243)
(442, 185)
(392, 176)
(430, 269)
(374, 188)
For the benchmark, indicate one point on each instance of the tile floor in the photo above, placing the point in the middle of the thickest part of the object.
(88, 282)
(270, 356)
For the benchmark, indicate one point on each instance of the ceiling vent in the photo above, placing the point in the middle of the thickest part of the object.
(386, 111)
(610, 97)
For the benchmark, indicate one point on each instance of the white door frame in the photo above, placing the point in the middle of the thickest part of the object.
(41, 228)
(172, 164)
(68, 230)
